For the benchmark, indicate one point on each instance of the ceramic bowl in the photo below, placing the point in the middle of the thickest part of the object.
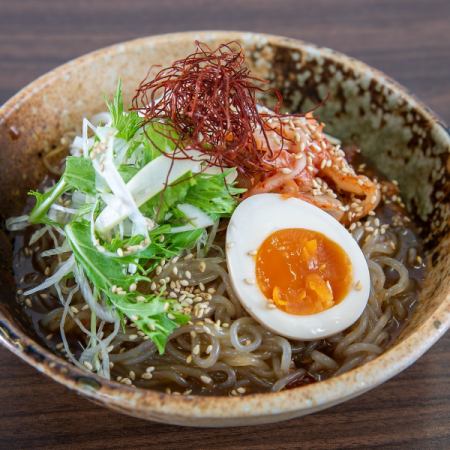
(395, 131)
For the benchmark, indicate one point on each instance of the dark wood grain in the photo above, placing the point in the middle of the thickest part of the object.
(408, 39)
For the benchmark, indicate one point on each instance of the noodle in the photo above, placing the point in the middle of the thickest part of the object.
(222, 350)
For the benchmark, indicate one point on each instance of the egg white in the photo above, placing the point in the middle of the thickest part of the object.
(252, 222)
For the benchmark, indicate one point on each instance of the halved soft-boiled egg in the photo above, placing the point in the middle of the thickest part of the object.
(295, 268)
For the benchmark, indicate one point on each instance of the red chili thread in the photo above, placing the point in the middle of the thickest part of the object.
(209, 98)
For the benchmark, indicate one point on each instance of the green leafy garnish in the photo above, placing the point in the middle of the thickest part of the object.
(209, 192)
(119, 255)
(158, 138)
(151, 141)
(212, 194)
(127, 172)
(78, 175)
(126, 123)
(160, 204)
(107, 274)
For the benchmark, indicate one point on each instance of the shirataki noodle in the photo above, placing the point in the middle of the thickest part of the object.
(225, 351)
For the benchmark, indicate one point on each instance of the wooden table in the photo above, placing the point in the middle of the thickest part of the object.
(408, 39)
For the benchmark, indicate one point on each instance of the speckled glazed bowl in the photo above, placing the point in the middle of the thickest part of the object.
(396, 132)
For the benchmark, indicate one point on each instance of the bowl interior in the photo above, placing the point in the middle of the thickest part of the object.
(396, 133)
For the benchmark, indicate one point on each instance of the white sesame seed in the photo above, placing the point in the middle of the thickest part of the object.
(88, 365)
(241, 390)
(133, 287)
(249, 280)
(133, 337)
(196, 349)
(205, 379)
(313, 146)
(202, 266)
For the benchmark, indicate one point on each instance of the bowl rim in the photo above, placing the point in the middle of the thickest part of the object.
(294, 401)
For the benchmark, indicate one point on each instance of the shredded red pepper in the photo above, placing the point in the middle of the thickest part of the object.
(209, 98)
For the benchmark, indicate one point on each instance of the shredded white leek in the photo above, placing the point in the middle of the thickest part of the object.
(17, 223)
(196, 217)
(64, 269)
(147, 183)
(123, 200)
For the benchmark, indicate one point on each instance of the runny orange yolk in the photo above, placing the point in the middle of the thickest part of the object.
(302, 271)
